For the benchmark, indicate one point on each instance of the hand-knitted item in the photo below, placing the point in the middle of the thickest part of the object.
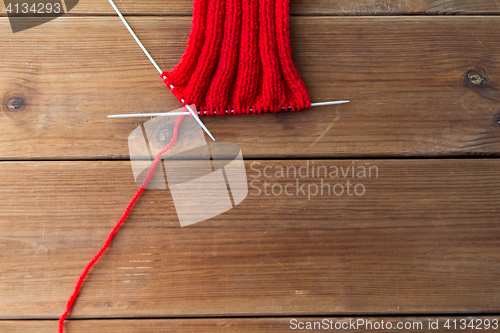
(238, 58)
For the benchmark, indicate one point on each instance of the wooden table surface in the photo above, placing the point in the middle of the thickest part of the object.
(422, 243)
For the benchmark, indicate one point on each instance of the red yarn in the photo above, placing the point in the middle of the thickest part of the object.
(73, 297)
(239, 58)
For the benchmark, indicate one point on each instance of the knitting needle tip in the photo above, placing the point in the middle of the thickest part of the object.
(139, 115)
(329, 103)
(195, 116)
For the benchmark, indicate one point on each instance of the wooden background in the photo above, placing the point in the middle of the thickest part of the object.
(422, 243)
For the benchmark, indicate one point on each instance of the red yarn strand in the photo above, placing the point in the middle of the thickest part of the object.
(103, 249)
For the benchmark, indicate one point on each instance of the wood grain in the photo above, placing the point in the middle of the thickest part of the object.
(422, 239)
(302, 7)
(261, 325)
(406, 77)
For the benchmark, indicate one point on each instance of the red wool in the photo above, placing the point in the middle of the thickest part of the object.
(239, 58)
(73, 297)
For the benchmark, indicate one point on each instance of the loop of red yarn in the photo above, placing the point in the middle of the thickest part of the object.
(78, 286)
(239, 58)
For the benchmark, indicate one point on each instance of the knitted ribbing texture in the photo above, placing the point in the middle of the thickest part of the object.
(239, 59)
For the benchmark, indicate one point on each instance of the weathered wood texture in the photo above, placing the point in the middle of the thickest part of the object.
(422, 239)
(263, 325)
(406, 77)
(302, 7)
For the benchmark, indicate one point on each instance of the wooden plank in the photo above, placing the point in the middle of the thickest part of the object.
(406, 77)
(262, 325)
(422, 239)
(302, 7)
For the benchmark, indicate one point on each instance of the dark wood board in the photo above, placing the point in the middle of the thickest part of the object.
(261, 325)
(422, 239)
(407, 79)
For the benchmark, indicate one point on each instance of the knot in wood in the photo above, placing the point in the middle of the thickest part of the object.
(474, 77)
(14, 104)
(496, 120)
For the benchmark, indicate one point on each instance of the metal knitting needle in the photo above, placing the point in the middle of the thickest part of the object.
(173, 114)
(195, 116)
(156, 65)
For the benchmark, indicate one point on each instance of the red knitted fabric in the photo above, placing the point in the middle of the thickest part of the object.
(238, 58)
